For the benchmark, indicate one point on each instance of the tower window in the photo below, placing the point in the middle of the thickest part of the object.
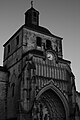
(12, 86)
(8, 48)
(39, 41)
(35, 17)
(34, 14)
(48, 44)
(17, 40)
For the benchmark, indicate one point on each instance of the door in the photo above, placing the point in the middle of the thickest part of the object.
(48, 107)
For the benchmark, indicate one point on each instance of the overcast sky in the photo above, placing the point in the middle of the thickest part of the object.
(61, 17)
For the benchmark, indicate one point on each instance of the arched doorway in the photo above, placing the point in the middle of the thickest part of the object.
(48, 107)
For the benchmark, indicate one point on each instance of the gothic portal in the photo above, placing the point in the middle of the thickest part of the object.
(40, 82)
(48, 106)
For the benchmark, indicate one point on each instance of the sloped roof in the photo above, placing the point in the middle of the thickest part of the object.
(3, 69)
(36, 28)
(31, 9)
(42, 30)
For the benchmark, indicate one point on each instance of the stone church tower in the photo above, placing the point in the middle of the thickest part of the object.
(41, 84)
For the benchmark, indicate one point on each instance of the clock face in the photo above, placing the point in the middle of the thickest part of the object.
(50, 56)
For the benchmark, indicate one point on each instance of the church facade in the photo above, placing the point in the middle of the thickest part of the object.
(39, 83)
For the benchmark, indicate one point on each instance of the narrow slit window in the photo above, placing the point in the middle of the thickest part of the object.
(8, 48)
(17, 40)
(13, 86)
(35, 16)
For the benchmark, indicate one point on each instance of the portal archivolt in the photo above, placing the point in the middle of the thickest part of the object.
(48, 107)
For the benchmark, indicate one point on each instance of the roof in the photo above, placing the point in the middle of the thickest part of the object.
(78, 93)
(31, 9)
(14, 34)
(63, 60)
(36, 28)
(42, 30)
(3, 69)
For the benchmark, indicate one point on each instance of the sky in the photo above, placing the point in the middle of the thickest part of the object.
(61, 17)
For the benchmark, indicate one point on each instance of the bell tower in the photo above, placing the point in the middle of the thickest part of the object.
(31, 16)
(40, 82)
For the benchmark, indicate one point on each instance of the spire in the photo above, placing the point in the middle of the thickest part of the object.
(32, 4)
